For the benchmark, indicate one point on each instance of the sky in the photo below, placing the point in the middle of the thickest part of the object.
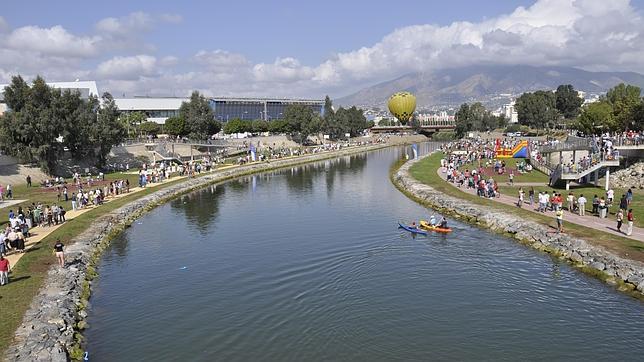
(304, 49)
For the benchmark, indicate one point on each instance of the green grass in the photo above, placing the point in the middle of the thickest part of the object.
(426, 171)
(49, 196)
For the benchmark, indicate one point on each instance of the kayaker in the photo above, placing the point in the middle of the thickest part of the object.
(432, 220)
(413, 225)
(443, 223)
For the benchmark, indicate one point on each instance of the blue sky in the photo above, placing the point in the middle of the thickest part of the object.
(262, 30)
(301, 48)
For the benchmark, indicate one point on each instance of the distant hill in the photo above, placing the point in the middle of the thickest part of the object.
(491, 85)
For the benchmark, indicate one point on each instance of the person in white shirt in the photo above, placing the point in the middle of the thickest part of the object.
(571, 202)
(610, 194)
(581, 201)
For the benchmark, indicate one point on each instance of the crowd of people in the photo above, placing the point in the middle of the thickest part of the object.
(467, 161)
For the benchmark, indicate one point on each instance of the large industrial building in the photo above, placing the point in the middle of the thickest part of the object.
(258, 108)
(158, 109)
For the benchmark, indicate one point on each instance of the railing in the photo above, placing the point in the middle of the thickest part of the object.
(570, 144)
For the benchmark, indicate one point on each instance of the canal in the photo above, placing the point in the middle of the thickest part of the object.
(306, 264)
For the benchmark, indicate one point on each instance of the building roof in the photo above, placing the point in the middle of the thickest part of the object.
(149, 104)
(262, 100)
(85, 87)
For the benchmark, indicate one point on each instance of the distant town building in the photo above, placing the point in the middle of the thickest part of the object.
(510, 112)
(156, 109)
(431, 119)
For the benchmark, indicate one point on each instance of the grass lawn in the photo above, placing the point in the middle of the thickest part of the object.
(49, 195)
(426, 172)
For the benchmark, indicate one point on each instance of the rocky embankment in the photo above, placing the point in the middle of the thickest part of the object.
(51, 328)
(632, 176)
(629, 274)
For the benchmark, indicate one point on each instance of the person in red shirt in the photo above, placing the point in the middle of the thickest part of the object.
(5, 266)
(630, 219)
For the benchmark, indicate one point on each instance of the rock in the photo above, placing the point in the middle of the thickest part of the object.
(598, 265)
(576, 257)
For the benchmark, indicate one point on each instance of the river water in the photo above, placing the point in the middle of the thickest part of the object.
(306, 264)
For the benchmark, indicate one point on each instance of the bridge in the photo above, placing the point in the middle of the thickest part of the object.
(427, 129)
(596, 162)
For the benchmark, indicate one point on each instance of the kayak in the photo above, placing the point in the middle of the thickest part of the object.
(412, 229)
(427, 226)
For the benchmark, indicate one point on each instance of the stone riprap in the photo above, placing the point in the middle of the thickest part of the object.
(601, 262)
(632, 177)
(50, 328)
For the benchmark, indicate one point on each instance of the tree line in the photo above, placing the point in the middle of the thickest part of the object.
(622, 108)
(42, 122)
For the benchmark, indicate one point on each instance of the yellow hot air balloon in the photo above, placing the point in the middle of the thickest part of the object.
(402, 105)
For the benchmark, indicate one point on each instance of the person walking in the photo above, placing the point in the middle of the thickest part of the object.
(5, 267)
(581, 202)
(620, 219)
(629, 197)
(9, 191)
(595, 205)
(60, 254)
(602, 208)
(531, 195)
(630, 219)
(623, 203)
(559, 217)
(28, 180)
(571, 202)
(73, 201)
(521, 196)
(511, 178)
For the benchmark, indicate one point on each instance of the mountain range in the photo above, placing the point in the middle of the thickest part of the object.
(492, 85)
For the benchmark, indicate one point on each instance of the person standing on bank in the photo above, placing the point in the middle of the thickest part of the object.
(60, 254)
(620, 219)
(559, 217)
(630, 219)
(5, 266)
(28, 180)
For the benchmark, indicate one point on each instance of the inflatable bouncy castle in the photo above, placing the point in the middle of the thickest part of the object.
(518, 151)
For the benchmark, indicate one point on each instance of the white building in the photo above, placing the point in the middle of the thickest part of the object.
(510, 112)
(432, 119)
(156, 109)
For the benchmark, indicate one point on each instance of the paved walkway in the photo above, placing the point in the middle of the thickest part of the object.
(608, 224)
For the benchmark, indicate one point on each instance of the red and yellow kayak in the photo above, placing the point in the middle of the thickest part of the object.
(427, 226)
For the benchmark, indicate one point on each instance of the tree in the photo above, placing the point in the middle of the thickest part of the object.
(476, 118)
(16, 95)
(237, 125)
(150, 128)
(199, 117)
(132, 121)
(567, 101)
(625, 100)
(29, 130)
(328, 108)
(175, 126)
(297, 117)
(277, 126)
(595, 118)
(537, 110)
(108, 131)
(259, 126)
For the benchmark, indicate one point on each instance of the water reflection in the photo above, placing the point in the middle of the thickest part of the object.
(201, 208)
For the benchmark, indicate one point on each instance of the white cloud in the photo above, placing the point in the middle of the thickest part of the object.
(283, 70)
(123, 26)
(53, 41)
(591, 34)
(128, 68)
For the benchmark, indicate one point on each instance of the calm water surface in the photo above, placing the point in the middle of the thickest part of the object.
(306, 264)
